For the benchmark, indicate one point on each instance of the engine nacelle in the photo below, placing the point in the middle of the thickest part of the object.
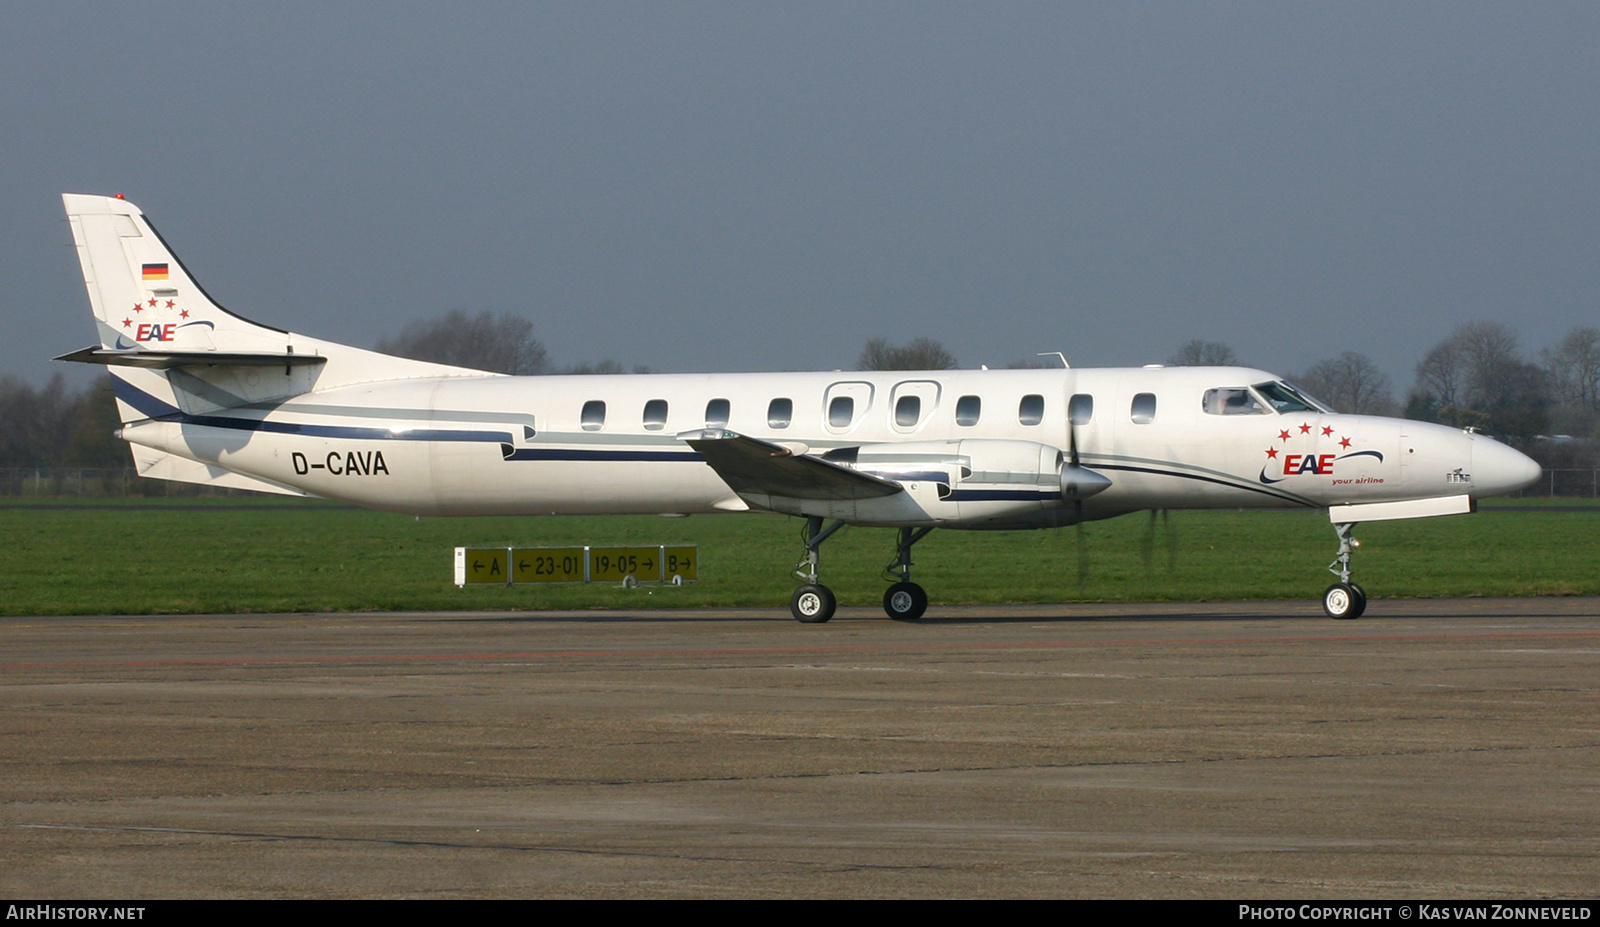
(985, 479)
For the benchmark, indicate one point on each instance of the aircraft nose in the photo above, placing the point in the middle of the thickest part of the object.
(1497, 469)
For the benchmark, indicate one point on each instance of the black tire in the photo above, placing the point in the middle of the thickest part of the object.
(1361, 600)
(1340, 601)
(812, 603)
(905, 601)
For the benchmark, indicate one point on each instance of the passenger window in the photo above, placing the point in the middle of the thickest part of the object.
(1031, 411)
(968, 408)
(841, 411)
(1144, 408)
(1080, 409)
(779, 412)
(717, 413)
(655, 414)
(907, 411)
(594, 415)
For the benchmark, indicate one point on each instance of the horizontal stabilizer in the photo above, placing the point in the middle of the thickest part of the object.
(162, 466)
(167, 360)
(754, 467)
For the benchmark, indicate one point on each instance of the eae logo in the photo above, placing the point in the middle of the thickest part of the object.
(1283, 465)
(1320, 464)
(148, 331)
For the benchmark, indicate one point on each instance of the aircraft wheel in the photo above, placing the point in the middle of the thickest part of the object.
(1361, 600)
(813, 603)
(905, 601)
(1342, 601)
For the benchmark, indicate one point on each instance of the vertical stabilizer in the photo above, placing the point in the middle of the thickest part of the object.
(142, 296)
(170, 347)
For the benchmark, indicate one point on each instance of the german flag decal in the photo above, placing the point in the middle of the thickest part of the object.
(155, 271)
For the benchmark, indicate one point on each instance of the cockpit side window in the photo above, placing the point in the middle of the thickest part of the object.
(1234, 400)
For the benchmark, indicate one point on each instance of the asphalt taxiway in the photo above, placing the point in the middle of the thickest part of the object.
(1436, 748)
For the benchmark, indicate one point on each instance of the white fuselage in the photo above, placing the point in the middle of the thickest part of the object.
(973, 448)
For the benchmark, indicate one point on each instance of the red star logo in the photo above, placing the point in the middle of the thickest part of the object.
(1344, 442)
(184, 314)
(1327, 431)
(1272, 452)
(170, 304)
(1283, 435)
(1305, 429)
(138, 307)
(127, 323)
(152, 304)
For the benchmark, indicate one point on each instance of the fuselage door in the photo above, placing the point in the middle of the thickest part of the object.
(844, 404)
(912, 404)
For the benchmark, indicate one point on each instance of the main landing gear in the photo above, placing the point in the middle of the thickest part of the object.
(905, 600)
(814, 603)
(1344, 599)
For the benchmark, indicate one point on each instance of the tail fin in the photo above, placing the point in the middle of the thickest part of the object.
(141, 294)
(171, 347)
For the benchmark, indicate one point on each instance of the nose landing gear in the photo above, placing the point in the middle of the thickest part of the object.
(1344, 599)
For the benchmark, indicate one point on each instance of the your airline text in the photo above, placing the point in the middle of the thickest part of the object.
(346, 463)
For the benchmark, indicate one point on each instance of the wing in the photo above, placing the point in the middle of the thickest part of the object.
(752, 467)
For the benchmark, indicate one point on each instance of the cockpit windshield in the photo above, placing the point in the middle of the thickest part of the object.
(1284, 397)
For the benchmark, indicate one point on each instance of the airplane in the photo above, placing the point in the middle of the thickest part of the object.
(206, 396)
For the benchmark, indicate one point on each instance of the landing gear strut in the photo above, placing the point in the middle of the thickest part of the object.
(905, 600)
(1344, 599)
(813, 603)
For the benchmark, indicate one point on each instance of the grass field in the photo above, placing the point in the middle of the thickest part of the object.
(238, 554)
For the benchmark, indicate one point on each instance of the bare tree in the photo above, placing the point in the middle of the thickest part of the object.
(1351, 382)
(1197, 353)
(501, 343)
(1441, 373)
(53, 427)
(1476, 377)
(1574, 367)
(1491, 356)
(919, 354)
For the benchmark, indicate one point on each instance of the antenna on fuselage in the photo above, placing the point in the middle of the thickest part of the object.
(1056, 354)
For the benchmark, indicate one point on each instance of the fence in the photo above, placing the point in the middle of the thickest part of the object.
(96, 482)
(1565, 482)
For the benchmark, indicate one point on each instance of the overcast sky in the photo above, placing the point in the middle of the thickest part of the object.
(752, 186)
